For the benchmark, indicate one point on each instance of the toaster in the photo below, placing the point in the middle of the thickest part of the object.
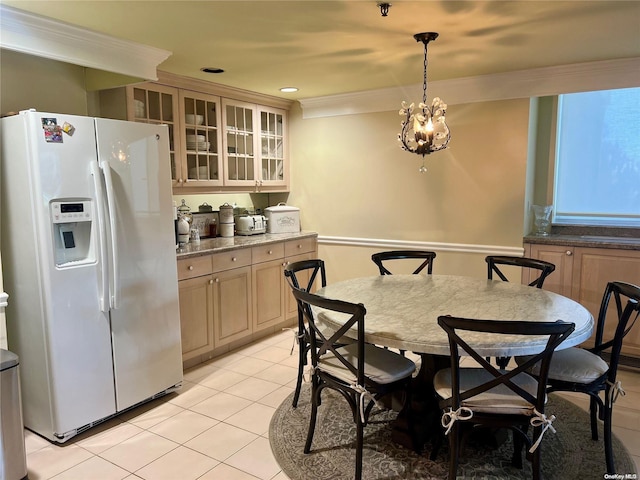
(251, 225)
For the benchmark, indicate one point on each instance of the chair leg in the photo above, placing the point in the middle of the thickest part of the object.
(315, 394)
(359, 447)
(593, 409)
(608, 448)
(502, 362)
(454, 449)
(302, 361)
(535, 459)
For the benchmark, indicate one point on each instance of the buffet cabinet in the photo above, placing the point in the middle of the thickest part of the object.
(232, 297)
(221, 139)
(582, 273)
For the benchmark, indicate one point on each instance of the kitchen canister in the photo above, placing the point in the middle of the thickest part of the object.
(226, 214)
(226, 229)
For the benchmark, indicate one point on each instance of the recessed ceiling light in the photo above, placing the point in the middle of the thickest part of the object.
(211, 70)
(288, 89)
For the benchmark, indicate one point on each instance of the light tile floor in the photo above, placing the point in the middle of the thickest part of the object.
(216, 427)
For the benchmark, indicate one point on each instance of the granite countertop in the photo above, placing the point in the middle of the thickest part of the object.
(208, 246)
(598, 237)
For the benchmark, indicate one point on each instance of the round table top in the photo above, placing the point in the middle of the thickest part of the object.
(403, 310)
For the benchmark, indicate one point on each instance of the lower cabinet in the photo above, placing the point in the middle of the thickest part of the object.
(229, 296)
(582, 273)
(231, 305)
(196, 315)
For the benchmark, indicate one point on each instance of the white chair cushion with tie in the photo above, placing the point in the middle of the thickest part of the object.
(381, 366)
(573, 365)
(499, 399)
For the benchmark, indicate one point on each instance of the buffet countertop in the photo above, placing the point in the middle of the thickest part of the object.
(208, 246)
(595, 237)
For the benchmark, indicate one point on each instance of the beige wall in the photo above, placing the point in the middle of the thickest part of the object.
(351, 179)
(46, 85)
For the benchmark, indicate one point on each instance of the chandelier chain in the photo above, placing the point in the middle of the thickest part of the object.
(424, 81)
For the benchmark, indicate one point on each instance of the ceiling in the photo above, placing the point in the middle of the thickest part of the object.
(332, 47)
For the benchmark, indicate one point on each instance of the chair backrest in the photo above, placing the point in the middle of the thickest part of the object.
(627, 310)
(303, 274)
(557, 332)
(427, 256)
(545, 268)
(320, 344)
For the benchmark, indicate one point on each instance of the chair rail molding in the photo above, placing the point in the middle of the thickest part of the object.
(32, 34)
(579, 77)
(409, 244)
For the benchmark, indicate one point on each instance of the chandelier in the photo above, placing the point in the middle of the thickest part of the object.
(424, 130)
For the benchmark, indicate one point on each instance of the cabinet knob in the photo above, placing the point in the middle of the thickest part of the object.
(569, 253)
(211, 281)
(234, 259)
(190, 267)
(285, 264)
(217, 280)
(299, 245)
(270, 252)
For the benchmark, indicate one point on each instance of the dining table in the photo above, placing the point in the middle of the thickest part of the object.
(402, 313)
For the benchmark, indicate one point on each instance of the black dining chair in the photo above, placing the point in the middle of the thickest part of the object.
(361, 372)
(427, 257)
(305, 275)
(594, 370)
(488, 397)
(493, 263)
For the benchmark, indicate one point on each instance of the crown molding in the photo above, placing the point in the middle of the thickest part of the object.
(204, 86)
(44, 37)
(579, 77)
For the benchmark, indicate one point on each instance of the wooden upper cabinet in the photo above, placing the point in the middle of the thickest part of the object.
(217, 143)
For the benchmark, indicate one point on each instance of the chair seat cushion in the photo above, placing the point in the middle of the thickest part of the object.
(382, 366)
(499, 399)
(575, 365)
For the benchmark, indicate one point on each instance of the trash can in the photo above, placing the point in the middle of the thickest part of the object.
(13, 462)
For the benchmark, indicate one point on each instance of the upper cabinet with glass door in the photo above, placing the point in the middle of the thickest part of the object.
(158, 104)
(201, 136)
(255, 146)
(273, 147)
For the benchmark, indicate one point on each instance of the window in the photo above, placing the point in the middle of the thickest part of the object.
(597, 173)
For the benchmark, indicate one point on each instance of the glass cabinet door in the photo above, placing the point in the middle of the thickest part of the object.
(201, 119)
(272, 153)
(157, 104)
(239, 138)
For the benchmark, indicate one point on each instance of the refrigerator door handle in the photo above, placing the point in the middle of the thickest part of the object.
(115, 295)
(104, 266)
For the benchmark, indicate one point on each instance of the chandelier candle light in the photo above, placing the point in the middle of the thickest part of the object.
(424, 131)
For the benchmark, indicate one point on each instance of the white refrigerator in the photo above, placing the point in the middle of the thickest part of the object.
(88, 251)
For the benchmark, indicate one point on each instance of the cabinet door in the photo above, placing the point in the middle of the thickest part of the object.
(158, 104)
(240, 143)
(201, 136)
(560, 281)
(273, 152)
(196, 316)
(232, 305)
(268, 294)
(593, 268)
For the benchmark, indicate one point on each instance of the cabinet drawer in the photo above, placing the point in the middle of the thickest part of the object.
(296, 247)
(232, 259)
(194, 267)
(264, 253)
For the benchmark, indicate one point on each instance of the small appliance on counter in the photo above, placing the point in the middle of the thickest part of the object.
(283, 218)
(251, 225)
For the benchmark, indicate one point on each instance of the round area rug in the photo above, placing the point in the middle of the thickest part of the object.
(568, 454)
